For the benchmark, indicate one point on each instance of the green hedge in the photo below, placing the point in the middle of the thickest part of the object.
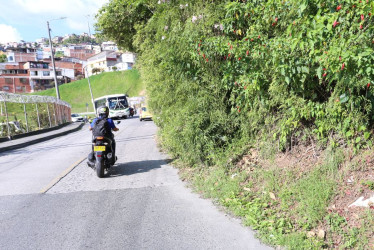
(222, 74)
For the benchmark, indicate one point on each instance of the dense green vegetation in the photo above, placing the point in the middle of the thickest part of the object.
(226, 76)
(240, 68)
(16, 114)
(78, 94)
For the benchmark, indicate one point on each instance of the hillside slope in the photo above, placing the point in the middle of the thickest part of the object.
(77, 93)
(267, 105)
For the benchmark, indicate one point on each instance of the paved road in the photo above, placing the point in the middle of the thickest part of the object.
(30, 169)
(142, 205)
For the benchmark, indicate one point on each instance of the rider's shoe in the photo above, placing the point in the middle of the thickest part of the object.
(90, 164)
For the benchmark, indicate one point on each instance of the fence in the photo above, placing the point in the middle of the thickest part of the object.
(25, 113)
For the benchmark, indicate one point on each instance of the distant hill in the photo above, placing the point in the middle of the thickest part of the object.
(77, 93)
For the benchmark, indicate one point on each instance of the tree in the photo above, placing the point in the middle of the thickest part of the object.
(119, 20)
(96, 70)
(59, 54)
(80, 77)
(3, 58)
(76, 39)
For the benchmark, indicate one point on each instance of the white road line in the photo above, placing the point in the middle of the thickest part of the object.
(62, 175)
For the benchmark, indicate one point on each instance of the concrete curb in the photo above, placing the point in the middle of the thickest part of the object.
(37, 132)
(41, 139)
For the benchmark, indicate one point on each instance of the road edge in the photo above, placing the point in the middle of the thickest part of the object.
(46, 138)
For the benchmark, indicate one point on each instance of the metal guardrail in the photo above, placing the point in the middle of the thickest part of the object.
(37, 112)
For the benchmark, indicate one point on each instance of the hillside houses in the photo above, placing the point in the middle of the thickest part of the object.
(108, 60)
(29, 68)
(23, 77)
(81, 52)
(15, 55)
(14, 78)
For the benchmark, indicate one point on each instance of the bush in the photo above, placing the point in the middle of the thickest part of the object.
(220, 75)
(80, 77)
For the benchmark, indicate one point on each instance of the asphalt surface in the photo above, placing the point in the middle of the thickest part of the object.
(141, 205)
(30, 169)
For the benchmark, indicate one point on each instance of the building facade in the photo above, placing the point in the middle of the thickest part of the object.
(111, 46)
(41, 75)
(14, 78)
(16, 55)
(102, 61)
(30, 76)
(79, 52)
(107, 61)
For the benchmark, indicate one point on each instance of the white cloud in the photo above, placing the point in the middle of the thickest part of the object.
(9, 34)
(37, 12)
(57, 7)
(78, 24)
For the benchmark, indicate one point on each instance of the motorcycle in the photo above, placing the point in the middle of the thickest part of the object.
(103, 153)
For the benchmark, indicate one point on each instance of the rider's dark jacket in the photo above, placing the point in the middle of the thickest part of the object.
(110, 121)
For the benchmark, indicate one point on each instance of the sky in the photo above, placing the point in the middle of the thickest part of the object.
(27, 19)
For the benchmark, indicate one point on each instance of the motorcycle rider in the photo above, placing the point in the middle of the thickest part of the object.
(103, 113)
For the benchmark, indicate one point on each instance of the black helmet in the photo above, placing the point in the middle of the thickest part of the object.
(103, 111)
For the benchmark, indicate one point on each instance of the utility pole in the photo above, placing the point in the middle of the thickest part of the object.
(14, 86)
(89, 85)
(88, 77)
(88, 22)
(53, 59)
(53, 62)
(89, 30)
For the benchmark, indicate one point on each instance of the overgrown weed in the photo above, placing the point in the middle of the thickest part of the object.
(286, 208)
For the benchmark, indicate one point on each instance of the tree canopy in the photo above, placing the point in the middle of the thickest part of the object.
(120, 20)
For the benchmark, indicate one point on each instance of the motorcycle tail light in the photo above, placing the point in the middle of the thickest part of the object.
(98, 155)
(100, 138)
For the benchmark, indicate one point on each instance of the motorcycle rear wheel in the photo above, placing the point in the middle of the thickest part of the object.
(99, 169)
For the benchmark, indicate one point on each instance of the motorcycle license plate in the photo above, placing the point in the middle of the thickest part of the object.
(99, 148)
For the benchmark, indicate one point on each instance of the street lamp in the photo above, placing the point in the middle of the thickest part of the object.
(52, 57)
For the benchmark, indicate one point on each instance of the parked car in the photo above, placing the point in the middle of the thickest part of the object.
(145, 114)
(76, 118)
(15, 128)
